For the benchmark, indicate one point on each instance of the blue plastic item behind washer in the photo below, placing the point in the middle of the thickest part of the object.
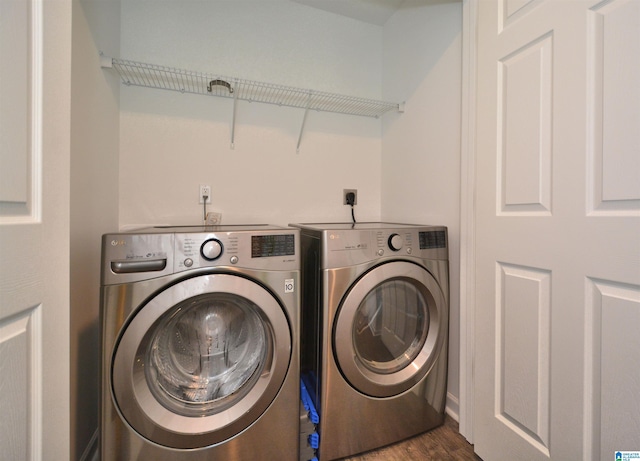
(308, 404)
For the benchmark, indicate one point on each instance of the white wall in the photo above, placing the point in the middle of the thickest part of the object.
(421, 148)
(94, 202)
(171, 143)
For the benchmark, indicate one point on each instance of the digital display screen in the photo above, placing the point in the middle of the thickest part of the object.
(272, 245)
(433, 239)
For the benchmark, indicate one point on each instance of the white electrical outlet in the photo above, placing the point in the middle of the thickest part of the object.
(204, 190)
(213, 219)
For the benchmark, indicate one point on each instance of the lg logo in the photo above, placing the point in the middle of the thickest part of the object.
(115, 243)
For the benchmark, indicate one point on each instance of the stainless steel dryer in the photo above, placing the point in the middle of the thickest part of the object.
(200, 344)
(374, 331)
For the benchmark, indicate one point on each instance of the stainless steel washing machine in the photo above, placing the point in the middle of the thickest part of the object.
(200, 344)
(374, 331)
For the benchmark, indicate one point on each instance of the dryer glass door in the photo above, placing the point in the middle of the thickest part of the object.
(390, 328)
(201, 361)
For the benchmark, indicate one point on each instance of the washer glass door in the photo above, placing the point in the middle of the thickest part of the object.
(201, 361)
(390, 328)
(202, 354)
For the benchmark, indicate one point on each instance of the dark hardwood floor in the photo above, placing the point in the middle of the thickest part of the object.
(441, 444)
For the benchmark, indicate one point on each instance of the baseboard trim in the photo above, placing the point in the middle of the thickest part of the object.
(452, 407)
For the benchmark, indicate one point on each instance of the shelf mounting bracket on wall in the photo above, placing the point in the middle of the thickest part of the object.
(233, 121)
(186, 81)
(304, 120)
(219, 82)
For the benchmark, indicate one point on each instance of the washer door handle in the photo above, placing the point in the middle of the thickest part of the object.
(147, 265)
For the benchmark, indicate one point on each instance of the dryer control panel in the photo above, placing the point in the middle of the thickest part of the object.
(350, 244)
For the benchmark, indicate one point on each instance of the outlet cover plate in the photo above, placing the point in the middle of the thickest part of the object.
(344, 196)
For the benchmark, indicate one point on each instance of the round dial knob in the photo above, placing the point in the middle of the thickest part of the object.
(395, 242)
(211, 249)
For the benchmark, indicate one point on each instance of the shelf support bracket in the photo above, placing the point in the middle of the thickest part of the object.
(105, 61)
(304, 120)
(233, 119)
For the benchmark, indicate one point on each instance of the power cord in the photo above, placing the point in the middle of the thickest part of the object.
(351, 199)
(204, 205)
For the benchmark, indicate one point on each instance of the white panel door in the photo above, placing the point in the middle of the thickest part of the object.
(558, 230)
(35, 66)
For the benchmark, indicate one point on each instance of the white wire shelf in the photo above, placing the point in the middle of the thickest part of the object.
(186, 81)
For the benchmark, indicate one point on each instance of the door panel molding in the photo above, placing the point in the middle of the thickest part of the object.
(512, 10)
(523, 352)
(21, 352)
(525, 88)
(21, 116)
(613, 318)
(613, 70)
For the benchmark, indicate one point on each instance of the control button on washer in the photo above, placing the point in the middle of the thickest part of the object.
(395, 242)
(188, 262)
(234, 260)
(380, 252)
(211, 249)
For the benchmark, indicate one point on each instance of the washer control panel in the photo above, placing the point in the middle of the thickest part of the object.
(243, 249)
(129, 257)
